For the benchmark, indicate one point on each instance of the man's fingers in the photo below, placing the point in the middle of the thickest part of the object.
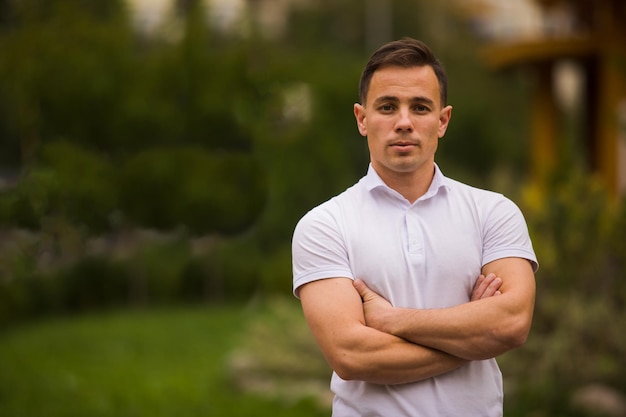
(493, 288)
(363, 290)
(486, 286)
(479, 287)
(360, 286)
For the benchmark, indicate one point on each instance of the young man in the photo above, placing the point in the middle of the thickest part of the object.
(411, 282)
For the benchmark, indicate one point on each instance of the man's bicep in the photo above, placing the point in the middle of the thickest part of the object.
(518, 286)
(330, 305)
(334, 313)
(516, 274)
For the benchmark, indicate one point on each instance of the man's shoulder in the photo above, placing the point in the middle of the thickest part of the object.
(464, 196)
(330, 210)
(351, 195)
(463, 189)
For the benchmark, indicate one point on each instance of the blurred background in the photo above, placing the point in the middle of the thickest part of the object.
(155, 156)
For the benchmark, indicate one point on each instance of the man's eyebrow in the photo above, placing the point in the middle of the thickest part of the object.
(424, 100)
(386, 99)
(413, 100)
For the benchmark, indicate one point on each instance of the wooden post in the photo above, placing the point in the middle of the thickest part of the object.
(545, 125)
(611, 91)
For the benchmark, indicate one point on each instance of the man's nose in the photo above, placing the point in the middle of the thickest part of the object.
(404, 122)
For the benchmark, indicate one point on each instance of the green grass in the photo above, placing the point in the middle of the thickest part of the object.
(133, 363)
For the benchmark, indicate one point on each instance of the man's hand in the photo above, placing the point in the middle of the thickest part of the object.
(376, 308)
(486, 286)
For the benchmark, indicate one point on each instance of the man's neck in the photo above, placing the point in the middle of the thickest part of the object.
(411, 185)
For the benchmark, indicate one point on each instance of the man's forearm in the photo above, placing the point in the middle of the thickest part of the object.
(476, 330)
(388, 359)
(468, 331)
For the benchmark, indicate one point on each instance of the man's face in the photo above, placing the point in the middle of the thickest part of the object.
(403, 120)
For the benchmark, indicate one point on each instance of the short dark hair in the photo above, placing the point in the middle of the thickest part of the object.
(407, 53)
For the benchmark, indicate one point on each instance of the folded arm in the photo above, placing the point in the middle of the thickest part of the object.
(478, 330)
(334, 312)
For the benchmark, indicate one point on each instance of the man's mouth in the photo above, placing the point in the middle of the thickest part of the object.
(403, 146)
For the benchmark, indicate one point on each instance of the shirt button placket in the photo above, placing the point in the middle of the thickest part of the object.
(414, 233)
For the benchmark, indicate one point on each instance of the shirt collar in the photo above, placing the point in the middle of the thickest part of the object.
(373, 181)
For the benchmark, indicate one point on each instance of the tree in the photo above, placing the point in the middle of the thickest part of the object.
(87, 101)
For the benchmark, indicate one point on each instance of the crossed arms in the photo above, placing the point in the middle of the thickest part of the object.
(364, 337)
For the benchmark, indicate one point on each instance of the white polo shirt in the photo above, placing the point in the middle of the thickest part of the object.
(422, 255)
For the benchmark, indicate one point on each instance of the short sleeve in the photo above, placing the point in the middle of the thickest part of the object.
(506, 234)
(318, 248)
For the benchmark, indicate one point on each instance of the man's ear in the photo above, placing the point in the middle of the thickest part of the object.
(444, 120)
(361, 121)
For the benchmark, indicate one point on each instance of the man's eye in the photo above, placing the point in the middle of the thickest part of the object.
(386, 107)
(421, 108)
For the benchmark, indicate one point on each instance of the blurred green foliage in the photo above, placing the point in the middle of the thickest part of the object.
(173, 167)
(163, 188)
(576, 341)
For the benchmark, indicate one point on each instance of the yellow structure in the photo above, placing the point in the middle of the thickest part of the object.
(591, 33)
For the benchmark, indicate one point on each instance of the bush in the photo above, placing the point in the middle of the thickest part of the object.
(577, 338)
(93, 283)
(70, 182)
(208, 193)
(43, 276)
